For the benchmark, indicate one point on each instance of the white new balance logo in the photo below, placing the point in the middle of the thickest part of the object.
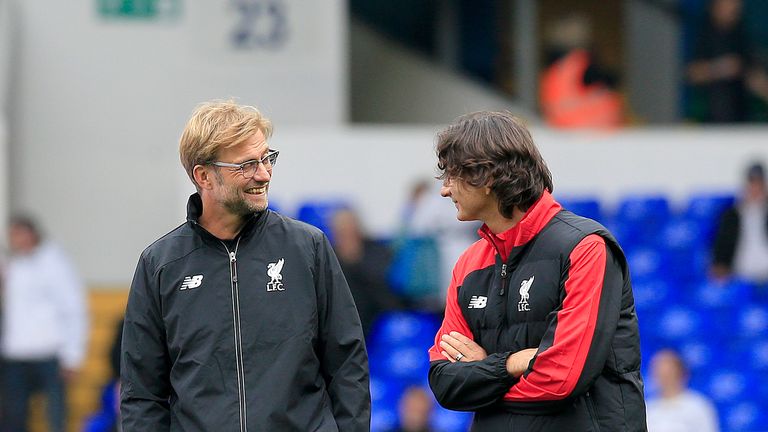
(191, 282)
(477, 302)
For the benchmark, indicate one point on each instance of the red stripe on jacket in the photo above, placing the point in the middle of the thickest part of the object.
(557, 369)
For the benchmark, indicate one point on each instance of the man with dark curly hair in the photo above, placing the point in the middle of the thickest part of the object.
(540, 331)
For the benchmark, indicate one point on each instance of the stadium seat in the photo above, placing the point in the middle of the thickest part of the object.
(680, 323)
(706, 208)
(408, 363)
(653, 294)
(450, 421)
(646, 264)
(701, 356)
(728, 385)
(753, 322)
(319, 213)
(685, 251)
(728, 294)
(744, 416)
(587, 207)
(404, 328)
(648, 210)
(383, 419)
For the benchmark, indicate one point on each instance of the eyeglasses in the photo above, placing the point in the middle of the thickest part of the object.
(249, 168)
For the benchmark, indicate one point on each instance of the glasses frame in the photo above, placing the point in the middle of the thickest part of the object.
(240, 167)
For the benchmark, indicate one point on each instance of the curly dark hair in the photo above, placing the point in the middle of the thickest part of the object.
(494, 149)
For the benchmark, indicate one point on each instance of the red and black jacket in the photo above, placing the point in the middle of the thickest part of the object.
(560, 283)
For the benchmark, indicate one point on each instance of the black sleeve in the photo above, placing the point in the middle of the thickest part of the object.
(344, 362)
(145, 366)
(724, 247)
(469, 386)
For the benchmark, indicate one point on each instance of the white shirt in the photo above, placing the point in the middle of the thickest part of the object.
(751, 259)
(44, 312)
(686, 412)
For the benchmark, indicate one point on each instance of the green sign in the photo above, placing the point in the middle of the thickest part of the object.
(139, 9)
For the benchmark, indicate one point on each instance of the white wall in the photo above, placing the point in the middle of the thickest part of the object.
(375, 166)
(98, 105)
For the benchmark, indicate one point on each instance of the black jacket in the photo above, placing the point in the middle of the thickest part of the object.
(258, 335)
(727, 237)
(565, 290)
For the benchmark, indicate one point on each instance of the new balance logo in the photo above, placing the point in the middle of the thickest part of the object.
(191, 282)
(477, 302)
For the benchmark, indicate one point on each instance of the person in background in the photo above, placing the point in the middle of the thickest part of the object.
(677, 409)
(365, 263)
(719, 66)
(540, 331)
(576, 92)
(415, 410)
(741, 243)
(44, 328)
(431, 216)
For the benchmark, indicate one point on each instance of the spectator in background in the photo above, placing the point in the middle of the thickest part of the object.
(575, 91)
(415, 410)
(741, 243)
(365, 263)
(677, 409)
(44, 326)
(432, 216)
(719, 64)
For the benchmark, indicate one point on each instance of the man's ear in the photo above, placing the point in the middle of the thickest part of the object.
(203, 177)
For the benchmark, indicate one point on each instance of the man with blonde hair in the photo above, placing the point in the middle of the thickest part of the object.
(240, 318)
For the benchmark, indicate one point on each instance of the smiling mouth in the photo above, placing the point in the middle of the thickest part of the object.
(258, 190)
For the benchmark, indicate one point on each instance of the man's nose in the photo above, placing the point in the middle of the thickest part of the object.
(445, 191)
(262, 173)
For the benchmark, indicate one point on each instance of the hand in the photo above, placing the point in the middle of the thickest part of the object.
(457, 347)
(518, 362)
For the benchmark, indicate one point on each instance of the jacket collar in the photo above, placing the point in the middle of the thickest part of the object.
(531, 224)
(195, 209)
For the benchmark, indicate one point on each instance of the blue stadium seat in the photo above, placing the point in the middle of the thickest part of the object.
(319, 213)
(753, 321)
(385, 392)
(701, 355)
(706, 208)
(408, 363)
(644, 209)
(653, 294)
(685, 251)
(383, 419)
(729, 385)
(646, 264)
(743, 416)
(404, 328)
(587, 207)
(450, 421)
(680, 323)
(729, 294)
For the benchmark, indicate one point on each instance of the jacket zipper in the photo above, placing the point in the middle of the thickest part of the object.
(592, 412)
(240, 362)
(503, 279)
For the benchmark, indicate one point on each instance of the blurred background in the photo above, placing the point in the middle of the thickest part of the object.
(650, 113)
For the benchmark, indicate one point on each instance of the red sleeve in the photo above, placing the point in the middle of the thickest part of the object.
(453, 321)
(557, 369)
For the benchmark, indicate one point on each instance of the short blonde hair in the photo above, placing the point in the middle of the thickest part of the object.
(217, 125)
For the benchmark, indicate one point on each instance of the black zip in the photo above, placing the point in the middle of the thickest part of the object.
(592, 411)
(240, 362)
(503, 279)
